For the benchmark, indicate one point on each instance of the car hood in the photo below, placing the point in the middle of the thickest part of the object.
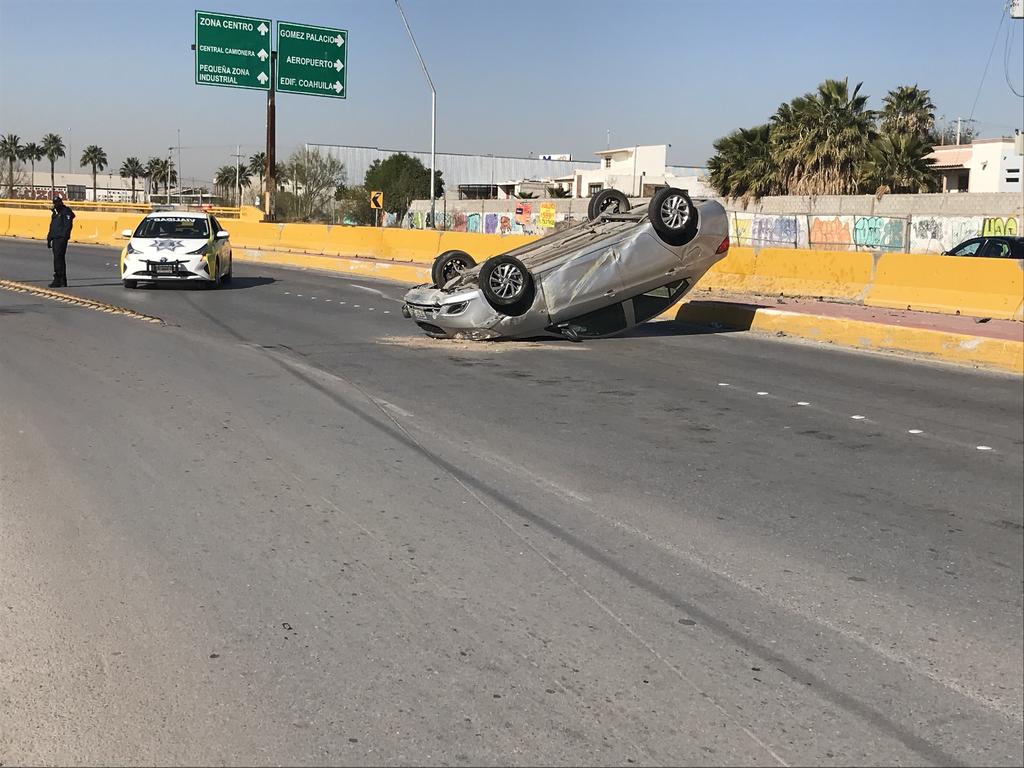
(167, 246)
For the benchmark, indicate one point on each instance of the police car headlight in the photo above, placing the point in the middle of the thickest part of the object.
(201, 251)
(133, 250)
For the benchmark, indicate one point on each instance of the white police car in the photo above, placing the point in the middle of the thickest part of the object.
(176, 246)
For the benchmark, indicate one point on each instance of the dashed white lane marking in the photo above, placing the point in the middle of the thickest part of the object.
(762, 394)
(355, 306)
(722, 384)
(858, 417)
(984, 447)
(299, 295)
(326, 299)
(313, 298)
(287, 293)
(803, 402)
(387, 311)
(341, 302)
(371, 308)
(915, 431)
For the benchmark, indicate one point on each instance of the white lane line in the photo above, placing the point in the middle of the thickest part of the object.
(915, 431)
(326, 299)
(355, 306)
(984, 447)
(287, 293)
(371, 308)
(803, 402)
(387, 311)
(299, 295)
(313, 298)
(762, 394)
(341, 302)
(722, 384)
(857, 417)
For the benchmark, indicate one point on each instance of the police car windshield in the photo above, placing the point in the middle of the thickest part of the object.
(181, 227)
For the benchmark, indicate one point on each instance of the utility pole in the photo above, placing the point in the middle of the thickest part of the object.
(433, 116)
(268, 174)
(170, 154)
(179, 166)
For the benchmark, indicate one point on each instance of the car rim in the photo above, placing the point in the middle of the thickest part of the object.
(506, 281)
(675, 212)
(452, 269)
(611, 205)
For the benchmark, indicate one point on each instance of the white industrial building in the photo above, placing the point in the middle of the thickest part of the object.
(635, 170)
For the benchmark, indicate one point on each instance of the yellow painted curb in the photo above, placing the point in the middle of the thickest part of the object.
(958, 348)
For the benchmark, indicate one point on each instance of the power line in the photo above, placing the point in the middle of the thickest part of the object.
(1002, 18)
(1010, 32)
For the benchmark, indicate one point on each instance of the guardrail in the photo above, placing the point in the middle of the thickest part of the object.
(111, 207)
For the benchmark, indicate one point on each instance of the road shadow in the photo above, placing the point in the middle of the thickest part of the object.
(237, 283)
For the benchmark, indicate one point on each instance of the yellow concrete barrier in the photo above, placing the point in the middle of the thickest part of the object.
(307, 238)
(835, 274)
(950, 284)
(482, 246)
(730, 273)
(31, 224)
(354, 241)
(5, 223)
(420, 246)
(252, 233)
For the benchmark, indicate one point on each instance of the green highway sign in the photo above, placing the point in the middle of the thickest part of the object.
(232, 51)
(312, 60)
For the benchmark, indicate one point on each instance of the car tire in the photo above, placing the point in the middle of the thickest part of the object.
(227, 275)
(130, 284)
(507, 285)
(673, 215)
(607, 201)
(449, 264)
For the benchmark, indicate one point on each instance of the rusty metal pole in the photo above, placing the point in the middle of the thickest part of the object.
(270, 180)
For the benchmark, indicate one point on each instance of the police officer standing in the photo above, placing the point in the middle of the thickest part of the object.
(57, 239)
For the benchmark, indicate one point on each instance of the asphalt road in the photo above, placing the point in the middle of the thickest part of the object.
(283, 527)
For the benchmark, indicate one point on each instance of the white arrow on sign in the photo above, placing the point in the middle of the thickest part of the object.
(262, 55)
(262, 77)
(262, 28)
(338, 65)
(337, 86)
(339, 40)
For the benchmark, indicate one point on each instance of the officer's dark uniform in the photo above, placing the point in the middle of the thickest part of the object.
(57, 239)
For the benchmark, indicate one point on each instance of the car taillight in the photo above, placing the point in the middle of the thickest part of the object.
(724, 246)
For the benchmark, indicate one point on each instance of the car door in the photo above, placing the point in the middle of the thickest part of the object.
(219, 246)
(995, 248)
(584, 282)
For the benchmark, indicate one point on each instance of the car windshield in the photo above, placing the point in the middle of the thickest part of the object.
(183, 227)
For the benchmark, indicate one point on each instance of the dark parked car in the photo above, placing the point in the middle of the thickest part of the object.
(990, 247)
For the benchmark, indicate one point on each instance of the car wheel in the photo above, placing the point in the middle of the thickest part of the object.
(448, 265)
(507, 285)
(227, 275)
(607, 201)
(673, 215)
(129, 284)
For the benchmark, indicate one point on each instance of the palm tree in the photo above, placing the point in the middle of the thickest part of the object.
(908, 109)
(742, 166)
(224, 179)
(899, 162)
(53, 148)
(10, 150)
(132, 168)
(820, 140)
(33, 153)
(153, 167)
(258, 167)
(95, 156)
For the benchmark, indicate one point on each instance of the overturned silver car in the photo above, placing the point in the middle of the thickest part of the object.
(600, 277)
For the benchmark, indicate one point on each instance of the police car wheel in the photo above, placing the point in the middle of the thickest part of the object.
(129, 284)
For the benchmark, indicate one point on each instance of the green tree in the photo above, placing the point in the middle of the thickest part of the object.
(558, 192)
(820, 140)
(315, 179)
(402, 179)
(10, 150)
(354, 206)
(152, 168)
(53, 148)
(132, 168)
(908, 110)
(897, 162)
(33, 153)
(743, 166)
(258, 167)
(225, 179)
(94, 156)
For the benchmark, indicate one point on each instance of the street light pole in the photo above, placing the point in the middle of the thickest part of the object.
(179, 166)
(433, 116)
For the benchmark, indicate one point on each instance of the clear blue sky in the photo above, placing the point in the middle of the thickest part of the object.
(512, 77)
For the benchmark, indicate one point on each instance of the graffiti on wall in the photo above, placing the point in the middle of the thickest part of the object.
(935, 234)
(997, 227)
(878, 232)
(831, 232)
(763, 231)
